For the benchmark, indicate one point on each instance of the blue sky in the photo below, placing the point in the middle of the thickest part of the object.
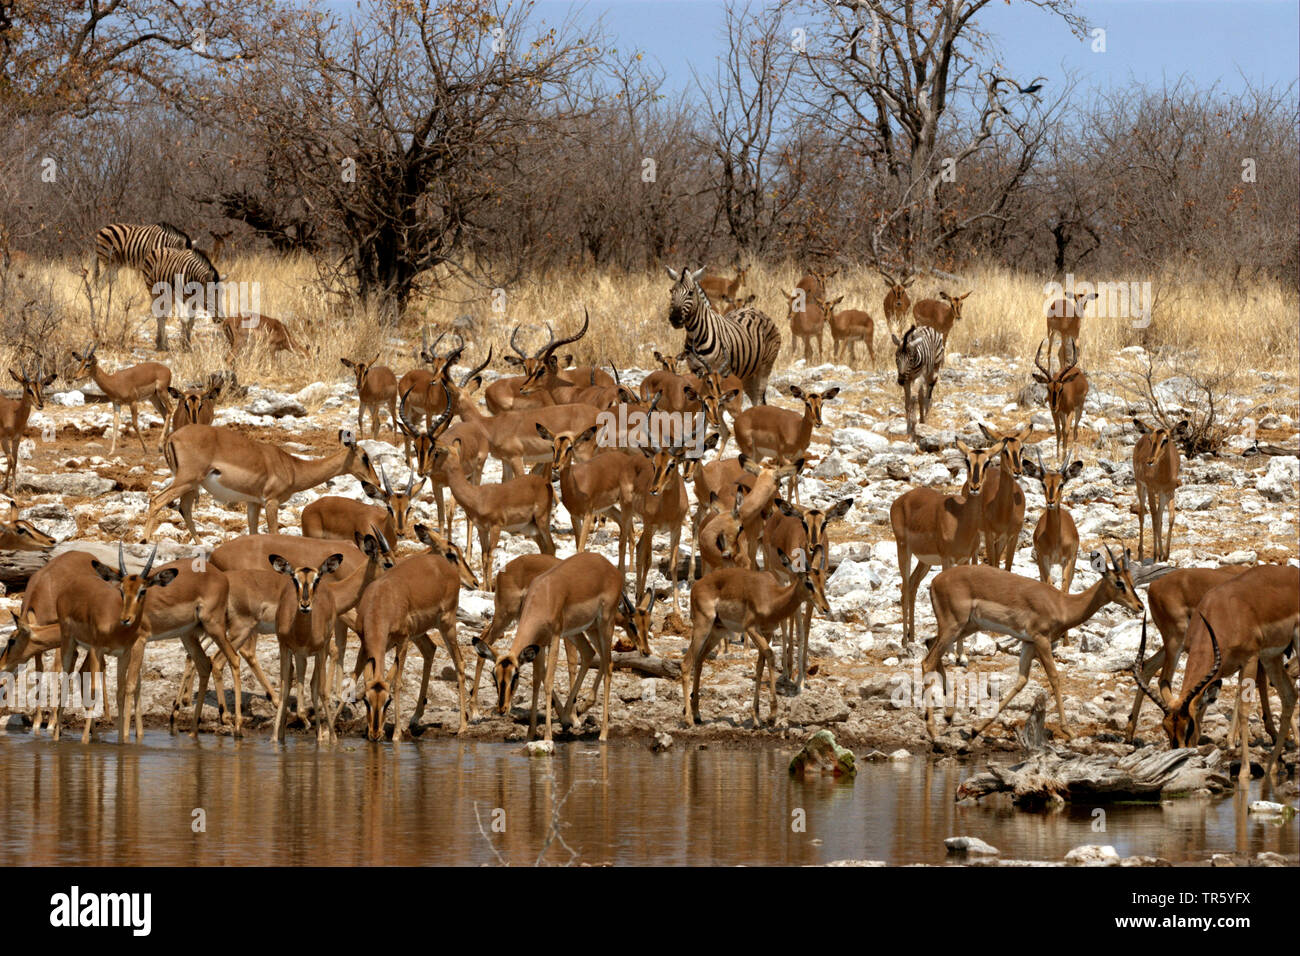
(1230, 42)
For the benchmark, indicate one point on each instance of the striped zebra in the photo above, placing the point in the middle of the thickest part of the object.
(919, 357)
(744, 342)
(175, 269)
(120, 244)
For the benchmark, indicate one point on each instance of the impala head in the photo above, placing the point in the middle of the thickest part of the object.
(397, 502)
(451, 553)
(977, 463)
(685, 295)
(664, 462)
(809, 570)
(1115, 578)
(1053, 482)
(667, 363)
(815, 520)
(439, 363)
(16, 534)
(195, 404)
(744, 303)
(1012, 446)
(955, 302)
(359, 465)
(635, 618)
(505, 670)
(1182, 719)
(538, 367)
(1159, 440)
(86, 362)
(828, 306)
(812, 401)
(133, 587)
(564, 446)
(33, 384)
(375, 547)
(360, 369)
(713, 401)
(305, 580)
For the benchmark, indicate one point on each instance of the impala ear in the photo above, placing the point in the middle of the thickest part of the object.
(528, 653)
(331, 565)
(162, 578)
(173, 391)
(484, 651)
(1073, 471)
(1141, 426)
(828, 395)
(370, 490)
(279, 564)
(111, 575)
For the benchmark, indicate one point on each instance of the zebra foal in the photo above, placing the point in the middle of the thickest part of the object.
(744, 342)
(919, 357)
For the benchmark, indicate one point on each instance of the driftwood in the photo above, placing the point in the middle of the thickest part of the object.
(1059, 776)
(654, 666)
(16, 567)
(1275, 450)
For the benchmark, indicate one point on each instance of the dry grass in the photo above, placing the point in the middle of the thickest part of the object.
(1197, 321)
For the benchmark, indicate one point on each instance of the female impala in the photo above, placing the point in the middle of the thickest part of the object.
(769, 432)
(147, 381)
(14, 415)
(1156, 463)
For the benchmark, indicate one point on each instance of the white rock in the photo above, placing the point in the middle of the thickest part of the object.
(1281, 480)
(1092, 855)
(69, 399)
(1195, 499)
(852, 576)
(970, 844)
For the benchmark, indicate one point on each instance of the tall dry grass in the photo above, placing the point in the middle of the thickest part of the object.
(1199, 320)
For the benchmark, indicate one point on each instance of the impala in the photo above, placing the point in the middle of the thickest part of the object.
(420, 594)
(1173, 599)
(1063, 317)
(766, 431)
(147, 381)
(577, 601)
(1245, 622)
(233, 468)
(107, 620)
(1156, 463)
(807, 322)
(14, 414)
(304, 618)
(935, 528)
(512, 586)
(799, 533)
(897, 302)
(1003, 500)
(939, 315)
(718, 288)
(753, 603)
(332, 516)
(376, 388)
(848, 327)
(1066, 391)
(541, 373)
(972, 598)
(239, 330)
(1056, 540)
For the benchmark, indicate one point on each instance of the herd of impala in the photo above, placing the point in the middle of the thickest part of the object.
(549, 427)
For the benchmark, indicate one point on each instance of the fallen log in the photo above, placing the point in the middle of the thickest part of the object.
(1053, 776)
(654, 666)
(16, 567)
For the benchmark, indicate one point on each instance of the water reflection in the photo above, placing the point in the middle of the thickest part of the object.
(223, 803)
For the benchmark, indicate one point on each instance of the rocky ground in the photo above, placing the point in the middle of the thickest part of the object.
(1230, 510)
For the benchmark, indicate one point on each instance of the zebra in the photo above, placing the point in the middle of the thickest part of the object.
(919, 356)
(175, 269)
(745, 341)
(120, 244)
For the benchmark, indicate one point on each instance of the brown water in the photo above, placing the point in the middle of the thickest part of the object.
(107, 804)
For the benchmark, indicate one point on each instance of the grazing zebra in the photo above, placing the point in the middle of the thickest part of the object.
(919, 357)
(745, 342)
(178, 268)
(120, 244)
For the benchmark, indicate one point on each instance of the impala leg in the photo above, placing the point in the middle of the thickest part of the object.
(204, 667)
(93, 662)
(1026, 662)
(272, 516)
(286, 675)
(550, 683)
(427, 651)
(765, 655)
(1169, 534)
(1043, 648)
(1266, 708)
(1142, 516)
(135, 427)
(68, 658)
(1286, 692)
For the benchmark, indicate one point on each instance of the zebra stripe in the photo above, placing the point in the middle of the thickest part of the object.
(744, 343)
(121, 244)
(920, 354)
(165, 265)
